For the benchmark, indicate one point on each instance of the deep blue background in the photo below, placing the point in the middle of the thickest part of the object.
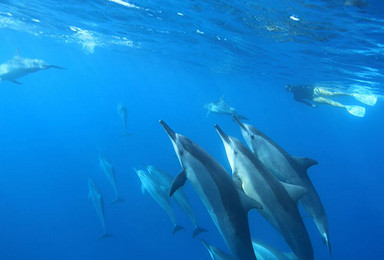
(53, 125)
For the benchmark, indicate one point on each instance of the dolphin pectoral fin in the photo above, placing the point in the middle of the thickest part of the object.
(304, 162)
(16, 82)
(178, 182)
(248, 202)
(294, 191)
(197, 231)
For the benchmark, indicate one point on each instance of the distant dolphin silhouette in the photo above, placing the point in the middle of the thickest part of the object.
(222, 108)
(109, 172)
(164, 180)
(161, 196)
(18, 67)
(122, 111)
(97, 200)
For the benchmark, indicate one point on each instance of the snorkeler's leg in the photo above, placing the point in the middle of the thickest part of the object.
(320, 91)
(368, 99)
(353, 110)
(327, 101)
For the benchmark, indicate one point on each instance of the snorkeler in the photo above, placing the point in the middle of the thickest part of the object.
(314, 96)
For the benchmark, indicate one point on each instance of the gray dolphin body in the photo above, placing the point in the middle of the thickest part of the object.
(109, 172)
(179, 196)
(227, 206)
(159, 194)
(288, 169)
(18, 67)
(222, 108)
(277, 199)
(97, 200)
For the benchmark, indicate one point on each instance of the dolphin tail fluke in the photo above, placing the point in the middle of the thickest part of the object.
(55, 67)
(117, 200)
(356, 110)
(197, 231)
(106, 235)
(368, 99)
(177, 228)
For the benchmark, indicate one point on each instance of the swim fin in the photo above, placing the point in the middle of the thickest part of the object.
(356, 110)
(368, 99)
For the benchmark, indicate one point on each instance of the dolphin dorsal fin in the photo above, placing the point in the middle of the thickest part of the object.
(294, 191)
(178, 182)
(304, 162)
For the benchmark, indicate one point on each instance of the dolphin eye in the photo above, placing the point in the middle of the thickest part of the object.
(235, 152)
(252, 137)
(181, 153)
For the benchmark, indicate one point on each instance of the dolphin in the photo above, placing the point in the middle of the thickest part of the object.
(278, 199)
(122, 111)
(159, 195)
(266, 252)
(222, 108)
(216, 253)
(227, 206)
(179, 196)
(18, 67)
(97, 200)
(288, 169)
(109, 172)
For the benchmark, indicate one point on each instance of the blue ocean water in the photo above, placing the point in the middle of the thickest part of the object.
(165, 60)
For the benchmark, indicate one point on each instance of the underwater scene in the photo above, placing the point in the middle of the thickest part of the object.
(191, 129)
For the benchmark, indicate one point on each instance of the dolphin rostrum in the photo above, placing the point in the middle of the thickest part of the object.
(161, 196)
(277, 199)
(216, 253)
(266, 252)
(18, 67)
(227, 206)
(288, 169)
(109, 172)
(222, 108)
(97, 200)
(262, 251)
(179, 196)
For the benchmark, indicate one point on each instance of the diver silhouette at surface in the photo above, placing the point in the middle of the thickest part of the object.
(314, 96)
